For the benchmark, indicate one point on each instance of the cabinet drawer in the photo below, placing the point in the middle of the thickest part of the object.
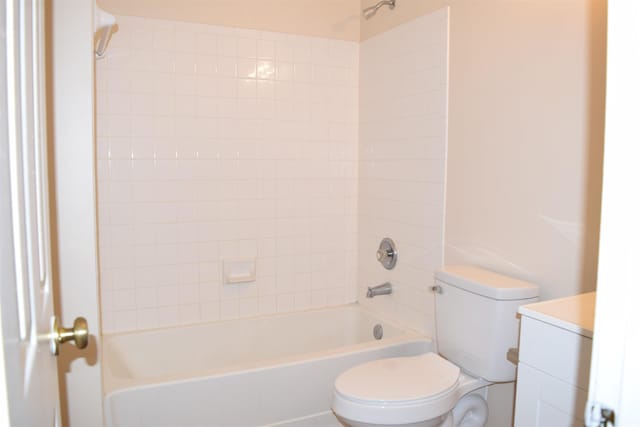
(556, 351)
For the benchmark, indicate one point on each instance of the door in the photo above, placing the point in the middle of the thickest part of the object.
(30, 339)
(615, 372)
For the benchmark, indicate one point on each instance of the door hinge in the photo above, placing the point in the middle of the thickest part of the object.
(599, 416)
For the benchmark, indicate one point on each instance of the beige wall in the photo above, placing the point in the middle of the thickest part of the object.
(526, 118)
(337, 19)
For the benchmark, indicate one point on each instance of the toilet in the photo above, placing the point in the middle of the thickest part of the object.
(476, 325)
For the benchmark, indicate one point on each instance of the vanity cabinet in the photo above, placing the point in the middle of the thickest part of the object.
(554, 361)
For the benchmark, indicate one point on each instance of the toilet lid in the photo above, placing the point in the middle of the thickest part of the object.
(399, 379)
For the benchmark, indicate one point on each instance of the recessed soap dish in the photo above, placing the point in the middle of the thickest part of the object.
(240, 270)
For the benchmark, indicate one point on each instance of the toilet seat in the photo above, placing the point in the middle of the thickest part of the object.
(397, 390)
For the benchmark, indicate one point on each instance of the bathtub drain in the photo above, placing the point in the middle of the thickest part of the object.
(377, 331)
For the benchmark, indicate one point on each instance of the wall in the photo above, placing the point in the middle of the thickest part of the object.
(403, 121)
(217, 143)
(526, 118)
(526, 122)
(336, 19)
(534, 213)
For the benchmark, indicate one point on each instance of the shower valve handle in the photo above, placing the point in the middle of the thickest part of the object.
(387, 254)
(382, 254)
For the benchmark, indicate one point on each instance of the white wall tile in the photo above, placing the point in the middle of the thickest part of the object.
(402, 156)
(204, 154)
(209, 312)
(267, 304)
(266, 49)
(230, 309)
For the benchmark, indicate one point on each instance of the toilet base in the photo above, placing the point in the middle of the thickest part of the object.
(435, 422)
(470, 411)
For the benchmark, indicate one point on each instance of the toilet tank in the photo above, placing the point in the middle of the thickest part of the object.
(476, 321)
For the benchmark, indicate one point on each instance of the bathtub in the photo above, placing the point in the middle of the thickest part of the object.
(272, 370)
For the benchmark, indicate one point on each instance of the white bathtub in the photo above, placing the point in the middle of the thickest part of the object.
(272, 370)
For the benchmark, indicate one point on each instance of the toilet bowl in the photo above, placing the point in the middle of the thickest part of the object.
(476, 325)
(424, 390)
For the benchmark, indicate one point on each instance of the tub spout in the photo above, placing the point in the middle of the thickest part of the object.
(384, 289)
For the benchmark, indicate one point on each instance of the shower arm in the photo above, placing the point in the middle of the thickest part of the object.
(104, 24)
(372, 10)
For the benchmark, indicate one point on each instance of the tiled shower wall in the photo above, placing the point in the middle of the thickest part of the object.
(403, 122)
(219, 143)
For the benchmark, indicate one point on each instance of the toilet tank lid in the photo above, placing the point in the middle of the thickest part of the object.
(486, 283)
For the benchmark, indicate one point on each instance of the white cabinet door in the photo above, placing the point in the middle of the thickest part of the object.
(544, 401)
(553, 374)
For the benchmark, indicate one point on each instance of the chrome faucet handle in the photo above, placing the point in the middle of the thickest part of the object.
(381, 254)
(387, 254)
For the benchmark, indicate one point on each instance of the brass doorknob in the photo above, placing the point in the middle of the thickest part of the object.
(79, 334)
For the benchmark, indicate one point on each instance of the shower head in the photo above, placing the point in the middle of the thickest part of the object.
(372, 10)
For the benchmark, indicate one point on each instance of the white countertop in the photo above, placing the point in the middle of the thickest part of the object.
(575, 314)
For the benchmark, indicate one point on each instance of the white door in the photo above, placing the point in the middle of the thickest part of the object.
(615, 367)
(29, 395)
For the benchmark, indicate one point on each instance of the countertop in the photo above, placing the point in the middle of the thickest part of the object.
(575, 313)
